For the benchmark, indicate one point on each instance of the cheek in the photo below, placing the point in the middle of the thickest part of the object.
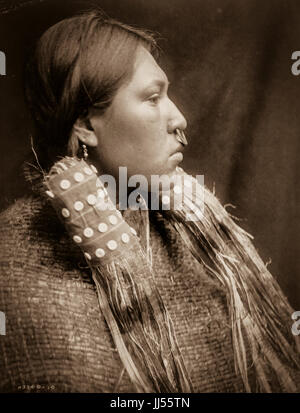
(133, 114)
(134, 137)
(138, 129)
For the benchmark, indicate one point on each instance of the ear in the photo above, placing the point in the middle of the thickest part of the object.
(84, 134)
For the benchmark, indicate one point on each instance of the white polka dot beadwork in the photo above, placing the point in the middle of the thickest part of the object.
(112, 245)
(50, 194)
(77, 239)
(99, 252)
(125, 238)
(102, 206)
(165, 199)
(65, 213)
(65, 184)
(87, 171)
(91, 199)
(102, 227)
(78, 206)
(87, 255)
(94, 169)
(113, 219)
(78, 176)
(133, 231)
(88, 232)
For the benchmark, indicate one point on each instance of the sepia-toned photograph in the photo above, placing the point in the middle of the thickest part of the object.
(150, 208)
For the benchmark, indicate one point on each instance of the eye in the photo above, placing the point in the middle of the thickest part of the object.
(154, 99)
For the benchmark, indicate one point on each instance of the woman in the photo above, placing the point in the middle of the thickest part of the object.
(185, 304)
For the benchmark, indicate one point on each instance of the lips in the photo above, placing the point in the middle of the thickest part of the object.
(177, 156)
(179, 149)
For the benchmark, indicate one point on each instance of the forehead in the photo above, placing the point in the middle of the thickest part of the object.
(146, 69)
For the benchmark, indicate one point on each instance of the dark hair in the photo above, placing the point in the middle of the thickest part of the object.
(78, 63)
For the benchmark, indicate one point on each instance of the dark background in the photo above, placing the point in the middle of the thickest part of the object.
(229, 62)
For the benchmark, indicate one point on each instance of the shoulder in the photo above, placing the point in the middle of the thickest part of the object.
(22, 218)
(31, 230)
(34, 246)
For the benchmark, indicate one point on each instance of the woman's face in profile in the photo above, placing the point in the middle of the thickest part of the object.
(138, 129)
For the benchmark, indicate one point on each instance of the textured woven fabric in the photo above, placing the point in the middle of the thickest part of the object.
(56, 337)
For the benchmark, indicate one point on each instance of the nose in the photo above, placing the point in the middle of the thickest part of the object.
(176, 118)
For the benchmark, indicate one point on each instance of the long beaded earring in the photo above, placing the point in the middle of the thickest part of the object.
(85, 152)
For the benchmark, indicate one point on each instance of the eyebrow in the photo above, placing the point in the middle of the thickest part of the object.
(158, 82)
